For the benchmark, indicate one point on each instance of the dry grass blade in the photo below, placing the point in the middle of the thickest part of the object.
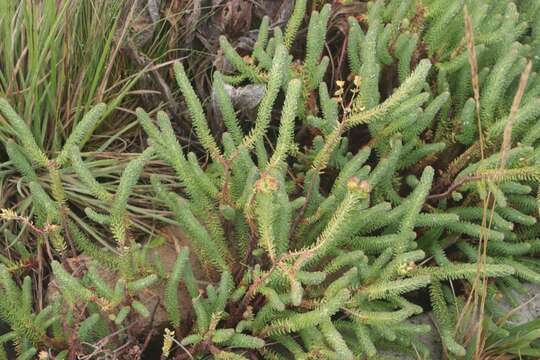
(507, 135)
(473, 62)
(506, 144)
(479, 286)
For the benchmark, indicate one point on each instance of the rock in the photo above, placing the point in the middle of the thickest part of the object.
(530, 308)
(528, 311)
(244, 98)
(432, 339)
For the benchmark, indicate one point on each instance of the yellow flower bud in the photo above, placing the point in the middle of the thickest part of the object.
(267, 184)
(168, 339)
(354, 184)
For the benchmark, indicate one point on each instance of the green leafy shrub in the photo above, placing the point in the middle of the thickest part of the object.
(313, 250)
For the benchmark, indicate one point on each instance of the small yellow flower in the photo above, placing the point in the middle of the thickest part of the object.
(406, 268)
(357, 185)
(106, 306)
(267, 184)
(340, 83)
(49, 228)
(8, 214)
(168, 339)
(43, 355)
(357, 81)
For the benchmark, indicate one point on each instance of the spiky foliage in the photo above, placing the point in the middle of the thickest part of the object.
(315, 252)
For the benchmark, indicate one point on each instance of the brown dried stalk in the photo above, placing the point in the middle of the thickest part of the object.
(474, 73)
(507, 135)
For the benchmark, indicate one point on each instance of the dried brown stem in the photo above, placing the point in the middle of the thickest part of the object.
(507, 135)
(469, 35)
(455, 185)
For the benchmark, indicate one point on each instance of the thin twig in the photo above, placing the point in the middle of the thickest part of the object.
(455, 185)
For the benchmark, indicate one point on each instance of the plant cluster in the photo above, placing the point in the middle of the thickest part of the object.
(319, 249)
